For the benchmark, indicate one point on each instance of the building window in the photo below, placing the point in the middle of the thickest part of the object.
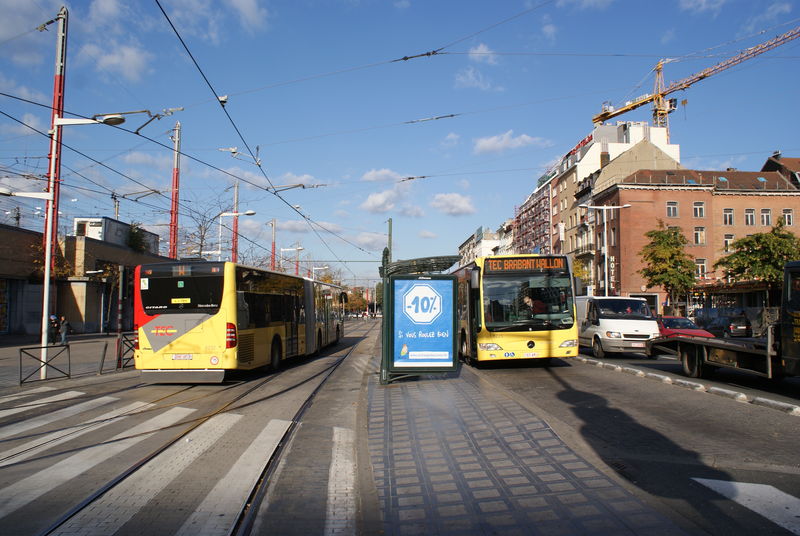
(699, 236)
(766, 216)
(788, 216)
(727, 216)
(700, 268)
(749, 216)
(672, 209)
(699, 209)
(612, 237)
(727, 242)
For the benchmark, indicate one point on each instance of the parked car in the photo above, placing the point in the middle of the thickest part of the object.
(730, 326)
(673, 326)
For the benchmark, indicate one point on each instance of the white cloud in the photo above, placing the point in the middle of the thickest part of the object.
(15, 129)
(18, 17)
(774, 13)
(453, 204)
(10, 86)
(381, 201)
(473, 78)
(668, 36)
(412, 211)
(136, 158)
(288, 179)
(505, 141)
(483, 54)
(549, 30)
(376, 175)
(372, 241)
(293, 226)
(251, 15)
(700, 6)
(128, 61)
(426, 234)
(402, 4)
(585, 4)
(450, 141)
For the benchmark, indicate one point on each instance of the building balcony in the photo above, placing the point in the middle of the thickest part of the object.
(585, 250)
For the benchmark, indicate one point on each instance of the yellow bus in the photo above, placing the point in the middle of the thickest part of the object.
(516, 307)
(195, 319)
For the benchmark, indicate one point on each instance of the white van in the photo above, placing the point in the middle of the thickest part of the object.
(614, 324)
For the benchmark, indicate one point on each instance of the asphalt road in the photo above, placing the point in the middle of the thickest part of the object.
(671, 444)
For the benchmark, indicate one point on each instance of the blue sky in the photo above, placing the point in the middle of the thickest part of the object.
(312, 84)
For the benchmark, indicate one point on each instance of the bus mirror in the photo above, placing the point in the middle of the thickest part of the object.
(474, 280)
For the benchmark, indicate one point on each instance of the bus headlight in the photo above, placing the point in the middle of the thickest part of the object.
(613, 334)
(570, 343)
(489, 347)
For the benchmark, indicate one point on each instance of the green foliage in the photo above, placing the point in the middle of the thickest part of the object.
(136, 239)
(761, 256)
(666, 263)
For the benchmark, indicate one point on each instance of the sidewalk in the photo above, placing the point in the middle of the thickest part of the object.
(458, 455)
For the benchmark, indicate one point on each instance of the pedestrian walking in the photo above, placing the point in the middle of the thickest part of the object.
(52, 329)
(63, 327)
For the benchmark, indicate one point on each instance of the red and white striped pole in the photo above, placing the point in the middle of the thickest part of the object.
(173, 211)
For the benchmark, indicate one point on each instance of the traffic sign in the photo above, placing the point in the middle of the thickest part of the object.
(422, 304)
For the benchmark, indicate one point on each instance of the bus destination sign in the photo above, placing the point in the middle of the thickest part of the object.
(524, 264)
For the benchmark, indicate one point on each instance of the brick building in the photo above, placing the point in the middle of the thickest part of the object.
(712, 208)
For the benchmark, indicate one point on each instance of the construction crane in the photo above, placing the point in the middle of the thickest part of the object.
(662, 106)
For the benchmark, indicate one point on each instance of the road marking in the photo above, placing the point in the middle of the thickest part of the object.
(38, 403)
(340, 514)
(779, 507)
(8, 398)
(30, 424)
(224, 502)
(40, 444)
(29, 489)
(120, 504)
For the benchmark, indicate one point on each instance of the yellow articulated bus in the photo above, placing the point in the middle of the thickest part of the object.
(194, 320)
(516, 307)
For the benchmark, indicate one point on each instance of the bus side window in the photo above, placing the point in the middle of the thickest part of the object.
(242, 311)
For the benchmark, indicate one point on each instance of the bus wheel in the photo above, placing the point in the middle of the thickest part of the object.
(597, 349)
(275, 356)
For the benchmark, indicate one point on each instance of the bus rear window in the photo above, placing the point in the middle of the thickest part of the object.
(190, 294)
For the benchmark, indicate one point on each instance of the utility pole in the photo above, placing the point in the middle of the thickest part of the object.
(272, 258)
(235, 238)
(390, 239)
(58, 111)
(176, 173)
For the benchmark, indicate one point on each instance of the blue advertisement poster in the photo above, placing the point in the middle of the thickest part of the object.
(423, 323)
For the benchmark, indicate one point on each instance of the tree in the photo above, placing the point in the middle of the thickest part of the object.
(136, 239)
(666, 263)
(761, 256)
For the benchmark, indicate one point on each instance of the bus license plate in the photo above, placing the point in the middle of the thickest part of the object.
(182, 357)
(532, 354)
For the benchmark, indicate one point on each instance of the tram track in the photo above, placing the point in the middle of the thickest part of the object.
(244, 520)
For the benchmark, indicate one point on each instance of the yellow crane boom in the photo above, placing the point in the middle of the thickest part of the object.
(662, 107)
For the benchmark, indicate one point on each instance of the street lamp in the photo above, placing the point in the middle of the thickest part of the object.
(315, 268)
(604, 209)
(298, 249)
(219, 240)
(52, 200)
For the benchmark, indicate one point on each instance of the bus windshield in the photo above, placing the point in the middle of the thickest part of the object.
(520, 302)
(188, 288)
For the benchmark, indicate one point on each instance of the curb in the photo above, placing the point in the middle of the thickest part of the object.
(790, 409)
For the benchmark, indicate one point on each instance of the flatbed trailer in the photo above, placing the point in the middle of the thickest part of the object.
(700, 356)
(775, 356)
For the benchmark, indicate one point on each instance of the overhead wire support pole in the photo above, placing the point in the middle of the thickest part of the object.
(173, 211)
